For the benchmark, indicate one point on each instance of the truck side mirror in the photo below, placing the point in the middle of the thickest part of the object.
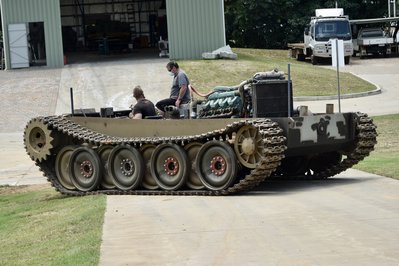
(306, 31)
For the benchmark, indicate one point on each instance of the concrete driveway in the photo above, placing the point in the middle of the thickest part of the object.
(383, 72)
(39, 91)
(351, 219)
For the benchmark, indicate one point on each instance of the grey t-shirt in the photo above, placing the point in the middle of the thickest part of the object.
(179, 80)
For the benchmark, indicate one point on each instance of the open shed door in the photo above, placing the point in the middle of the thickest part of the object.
(18, 43)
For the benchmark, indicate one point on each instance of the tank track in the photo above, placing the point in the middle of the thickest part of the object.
(365, 139)
(271, 133)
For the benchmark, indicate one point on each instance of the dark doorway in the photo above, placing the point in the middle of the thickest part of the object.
(37, 45)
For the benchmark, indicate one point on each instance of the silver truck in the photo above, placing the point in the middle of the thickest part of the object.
(373, 41)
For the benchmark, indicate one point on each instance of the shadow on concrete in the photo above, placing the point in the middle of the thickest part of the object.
(353, 60)
(285, 186)
(371, 56)
(95, 56)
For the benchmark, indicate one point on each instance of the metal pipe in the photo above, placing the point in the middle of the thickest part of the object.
(394, 8)
(72, 108)
(289, 90)
(339, 87)
(389, 8)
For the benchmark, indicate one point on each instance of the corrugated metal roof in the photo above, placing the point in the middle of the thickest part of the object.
(194, 27)
(47, 11)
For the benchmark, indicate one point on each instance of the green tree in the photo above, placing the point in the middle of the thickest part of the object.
(274, 23)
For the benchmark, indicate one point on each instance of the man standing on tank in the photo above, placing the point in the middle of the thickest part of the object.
(180, 93)
(143, 108)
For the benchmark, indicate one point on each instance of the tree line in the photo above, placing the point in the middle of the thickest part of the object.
(274, 23)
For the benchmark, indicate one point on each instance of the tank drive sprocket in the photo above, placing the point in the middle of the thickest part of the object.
(38, 139)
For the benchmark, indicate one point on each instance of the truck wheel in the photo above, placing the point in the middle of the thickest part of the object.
(347, 60)
(385, 54)
(300, 57)
(313, 59)
(361, 53)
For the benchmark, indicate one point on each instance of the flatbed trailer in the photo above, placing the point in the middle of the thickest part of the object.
(297, 51)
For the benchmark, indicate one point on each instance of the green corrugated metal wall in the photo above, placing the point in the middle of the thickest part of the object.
(194, 27)
(48, 11)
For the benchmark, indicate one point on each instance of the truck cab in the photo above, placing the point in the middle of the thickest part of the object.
(328, 24)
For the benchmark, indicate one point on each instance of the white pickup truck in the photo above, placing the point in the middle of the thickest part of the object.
(372, 41)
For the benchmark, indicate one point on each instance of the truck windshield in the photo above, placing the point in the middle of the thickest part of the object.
(325, 30)
(372, 33)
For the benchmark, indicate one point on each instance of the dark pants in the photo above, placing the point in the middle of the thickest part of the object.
(165, 102)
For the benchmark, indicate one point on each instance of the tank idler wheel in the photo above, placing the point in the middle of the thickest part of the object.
(216, 165)
(170, 166)
(248, 146)
(38, 140)
(62, 167)
(104, 151)
(193, 181)
(85, 169)
(148, 181)
(126, 167)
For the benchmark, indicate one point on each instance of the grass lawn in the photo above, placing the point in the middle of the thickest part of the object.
(384, 160)
(308, 80)
(39, 226)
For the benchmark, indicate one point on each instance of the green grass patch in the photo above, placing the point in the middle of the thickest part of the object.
(308, 80)
(384, 159)
(39, 226)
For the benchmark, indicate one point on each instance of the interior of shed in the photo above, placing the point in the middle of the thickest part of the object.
(95, 29)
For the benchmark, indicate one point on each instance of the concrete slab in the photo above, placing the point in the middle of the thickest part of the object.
(16, 168)
(110, 84)
(351, 219)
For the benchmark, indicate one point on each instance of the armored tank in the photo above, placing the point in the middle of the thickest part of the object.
(226, 144)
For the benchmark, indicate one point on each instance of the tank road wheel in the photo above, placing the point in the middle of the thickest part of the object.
(106, 182)
(126, 166)
(248, 146)
(37, 139)
(85, 169)
(216, 165)
(169, 166)
(193, 181)
(148, 181)
(62, 167)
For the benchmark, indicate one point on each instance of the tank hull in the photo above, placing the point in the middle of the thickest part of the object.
(87, 155)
